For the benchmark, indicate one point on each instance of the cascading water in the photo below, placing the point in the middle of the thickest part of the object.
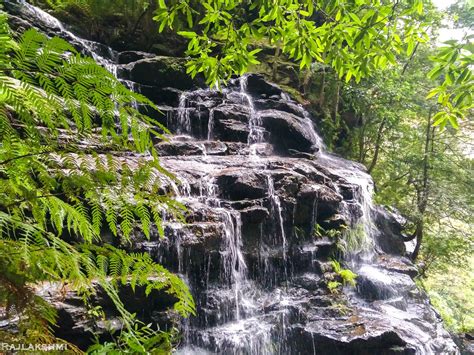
(210, 125)
(248, 251)
(277, 208)
(107, 58)
(255, 136)
(233, 263)
(364, 245)
(184, 122)
(315, 137)
(247, 330)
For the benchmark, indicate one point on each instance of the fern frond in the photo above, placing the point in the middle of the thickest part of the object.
(53, 103)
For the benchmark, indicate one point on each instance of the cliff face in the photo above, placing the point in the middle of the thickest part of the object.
(268, 211)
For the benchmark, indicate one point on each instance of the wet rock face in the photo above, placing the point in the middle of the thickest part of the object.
(286, 131)
(268, 210)
(386, 343)
(390, 230)
(226, 117)
(282, 210)
(127, 57)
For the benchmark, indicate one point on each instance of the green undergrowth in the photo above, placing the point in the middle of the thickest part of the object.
(452, 293)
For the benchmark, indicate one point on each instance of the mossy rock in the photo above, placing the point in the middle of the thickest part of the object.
(162, 71)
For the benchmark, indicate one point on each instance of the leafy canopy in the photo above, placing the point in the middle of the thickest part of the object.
(454, 63)
(352, 37)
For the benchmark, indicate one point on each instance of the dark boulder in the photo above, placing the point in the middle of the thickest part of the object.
(237, 184)
(325, 200)
(296, 154)
(127, 57)
(230, 123)
(287, 131)
(179, 148)
(389, 237)
(377, 283)
(160, 96)
(258, 86)
(319, 341)
(160, 71)
(278, 104)
(254, 214)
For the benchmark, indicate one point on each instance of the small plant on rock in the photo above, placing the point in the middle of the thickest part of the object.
(333, 286)
(320, 232)
(348, 277)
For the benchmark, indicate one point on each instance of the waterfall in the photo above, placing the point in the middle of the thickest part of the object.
(315, 137)
(248, 251)
(277, 207)
(233, 262)
(89, 48)
(255, 134)
(184, 120)
(210, 125)
(130, 85)
(365, 239)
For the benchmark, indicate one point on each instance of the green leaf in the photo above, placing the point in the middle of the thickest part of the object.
(355, 18)
(453, 121)
(463, 76)
(433, 93)
(410, 47)
(162, 26)
(419, 6)
(460, 98)
(189, 18)
(435, 72)
(187, 34)
(439, 118)
(348, 76)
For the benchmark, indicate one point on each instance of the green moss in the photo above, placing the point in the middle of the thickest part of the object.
(353, 239)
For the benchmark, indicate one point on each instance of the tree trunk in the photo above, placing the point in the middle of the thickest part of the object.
(419, 238)
(378, 143)
(275, 61)
(336, 100)
(423, 192)
(323, 88)
(307, 80)
(410, 59)
(362, 141)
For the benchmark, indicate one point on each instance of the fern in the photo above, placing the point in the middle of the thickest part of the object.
(59, 178)
(347, 276)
